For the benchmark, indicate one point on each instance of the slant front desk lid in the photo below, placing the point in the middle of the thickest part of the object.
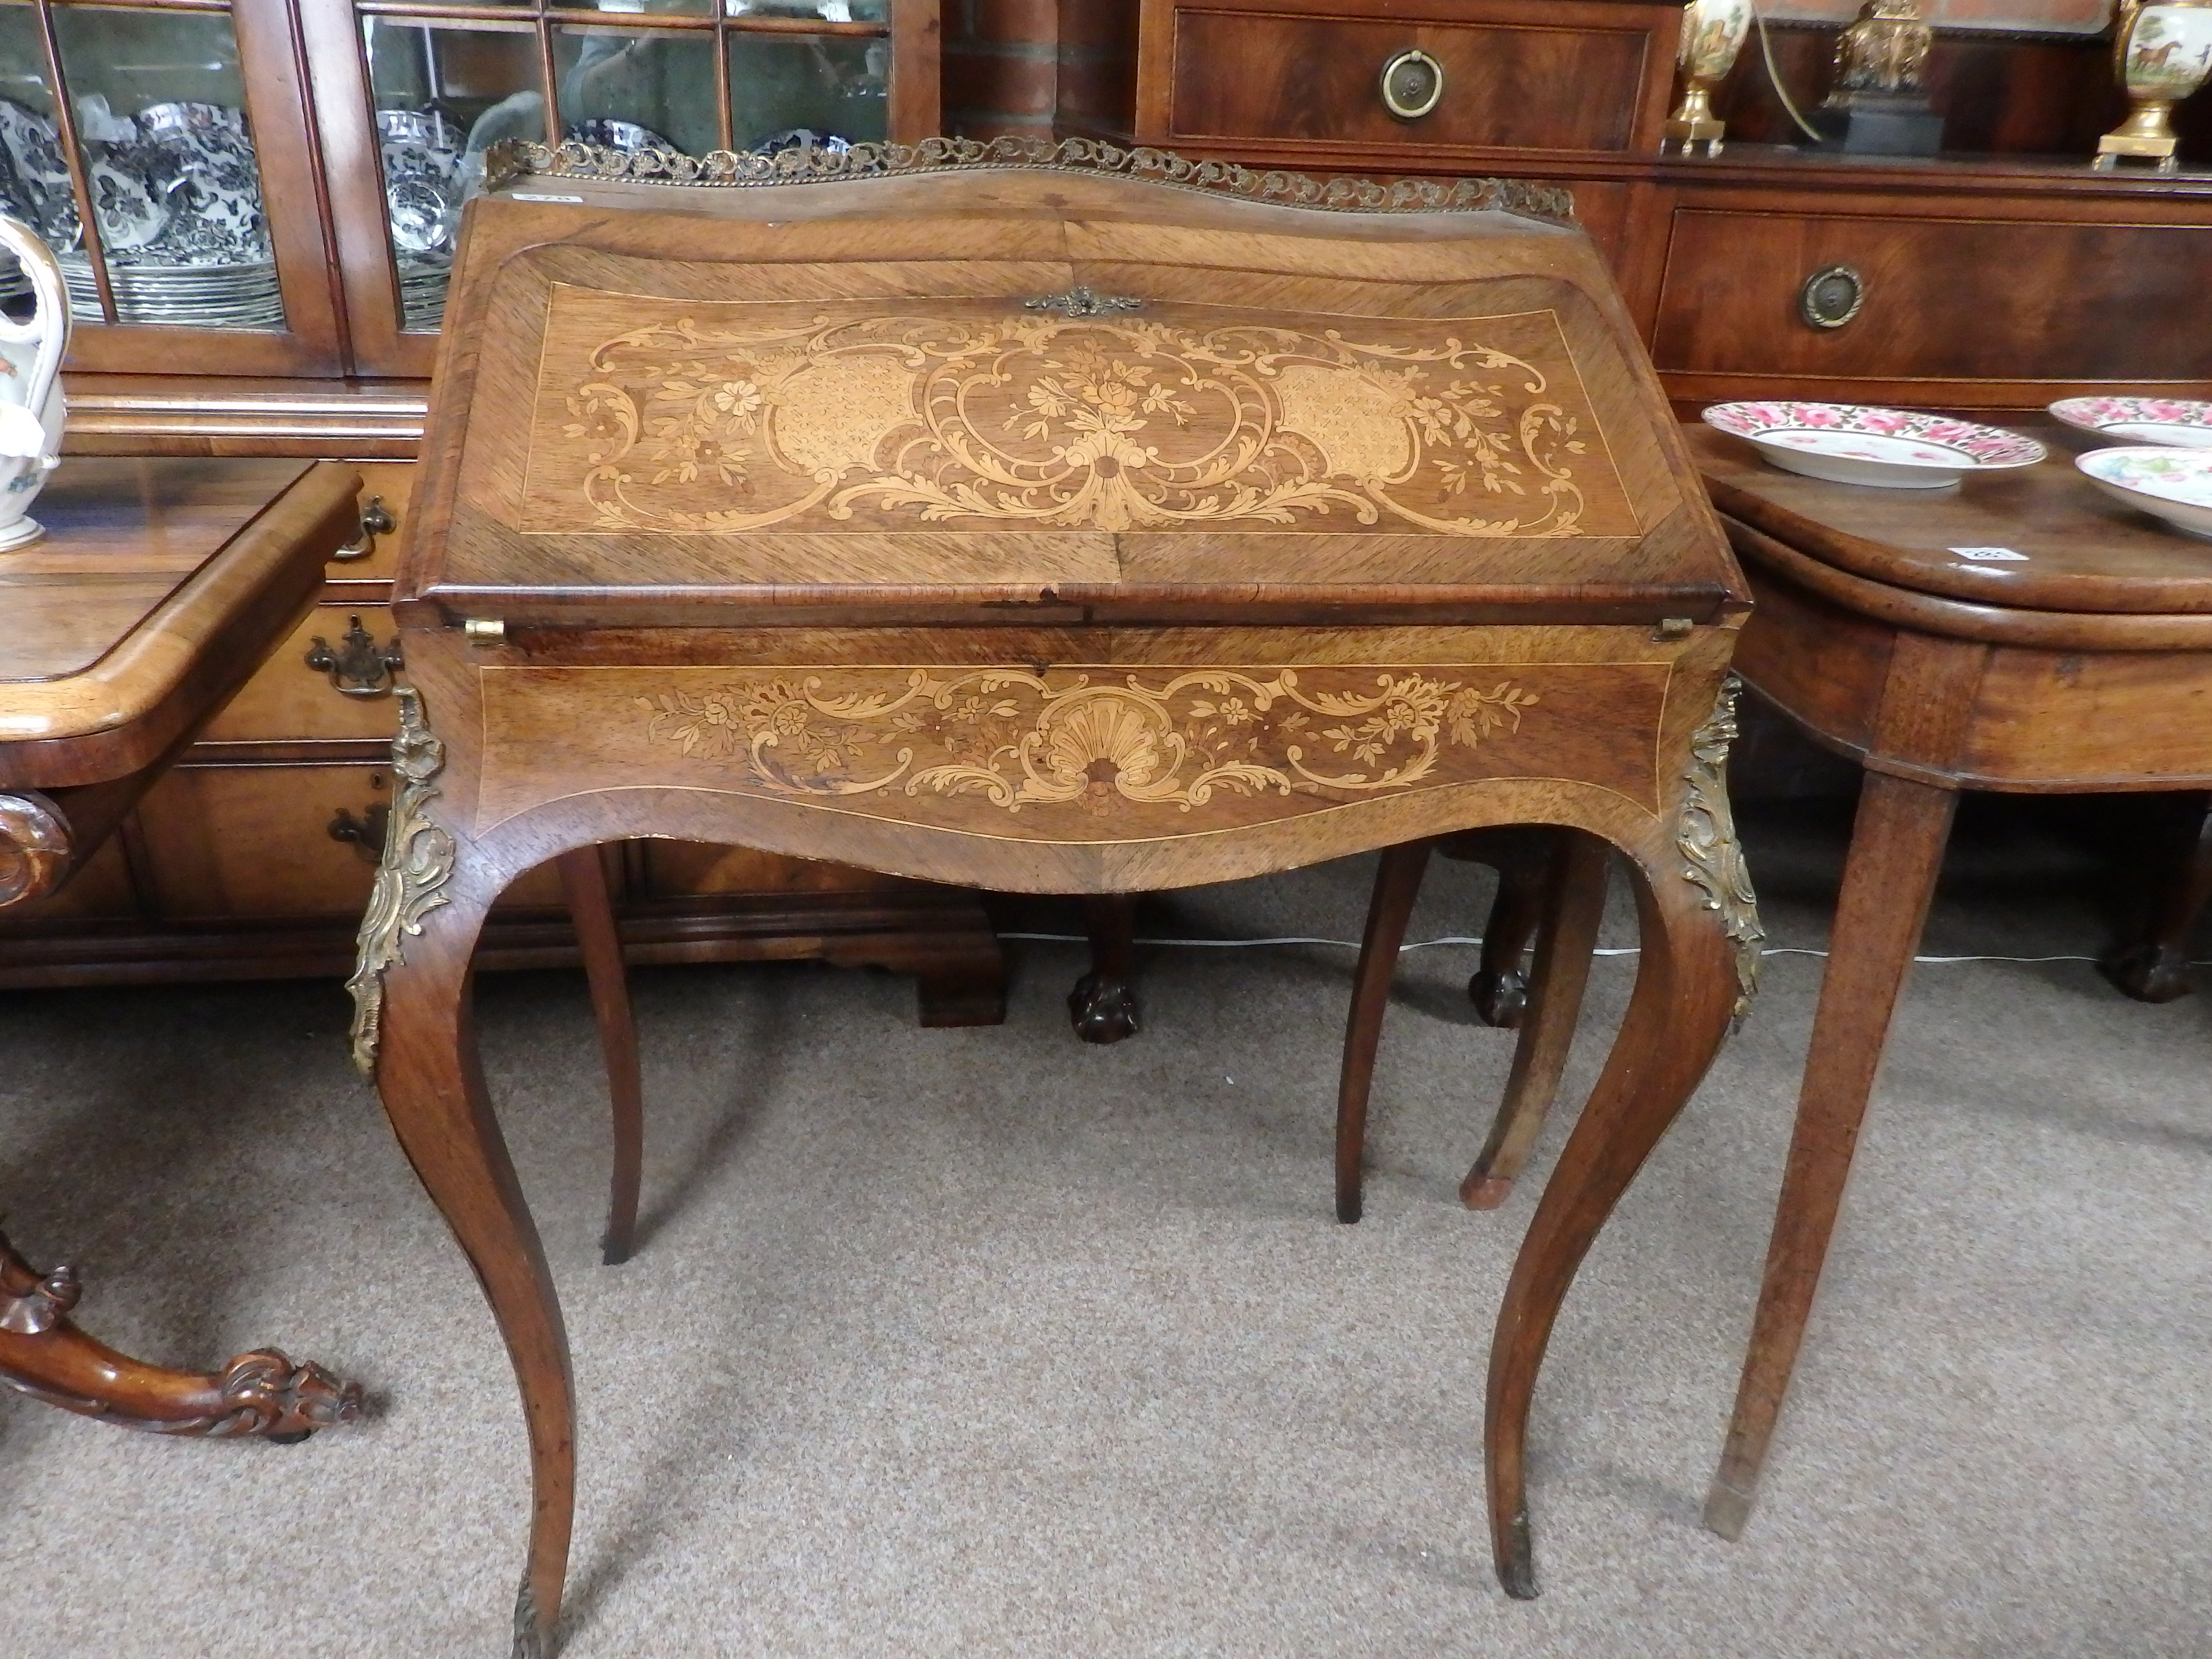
(1040, 384)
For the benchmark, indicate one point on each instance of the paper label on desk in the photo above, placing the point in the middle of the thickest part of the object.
(1990, 555)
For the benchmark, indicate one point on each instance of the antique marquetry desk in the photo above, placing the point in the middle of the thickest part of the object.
(157, 589)
(1040, 529)
(2079, 659)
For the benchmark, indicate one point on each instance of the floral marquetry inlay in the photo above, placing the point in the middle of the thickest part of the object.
(1096, 742)
(693, 418)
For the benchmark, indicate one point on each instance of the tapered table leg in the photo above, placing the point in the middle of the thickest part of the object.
(1897, 849)
(1103, 1006)
(590, 907)
(1397, 884)
(44, 1355)
(1573, 904)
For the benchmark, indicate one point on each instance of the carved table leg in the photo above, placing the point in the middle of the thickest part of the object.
(1573, 906)
(591, 906)
(1523, 857)
(414, 1032)
(1897, 848)
(1397, 884)
(2154, 966)
(44, 1355)
(1103, 1006)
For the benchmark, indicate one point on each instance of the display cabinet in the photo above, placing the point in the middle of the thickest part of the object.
(256, 204)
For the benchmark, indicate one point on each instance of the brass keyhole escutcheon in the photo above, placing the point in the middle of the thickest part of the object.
(1412, 84)
(1832, 297)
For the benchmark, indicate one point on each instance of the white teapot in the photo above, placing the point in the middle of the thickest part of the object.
(31, 411)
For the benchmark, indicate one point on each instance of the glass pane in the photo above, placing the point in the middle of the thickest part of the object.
(835, 86)
(639, 91)
(444, 95)
(34, 182)
(829, 11)
(160, 117)
(645, 8)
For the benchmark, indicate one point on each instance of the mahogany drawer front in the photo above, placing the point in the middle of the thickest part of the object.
(1564, 77)
(349, 697)
(1942, 298)
(223, 842)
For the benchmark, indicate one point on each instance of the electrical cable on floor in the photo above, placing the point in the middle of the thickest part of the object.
(1471, 942)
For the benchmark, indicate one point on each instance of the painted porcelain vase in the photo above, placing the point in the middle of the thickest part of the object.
(31, 408)
(1713, 33)
(2161, 53)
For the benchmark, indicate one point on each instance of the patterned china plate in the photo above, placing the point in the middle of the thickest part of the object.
(1891, 448)
(2141, 420)
(2174, 484)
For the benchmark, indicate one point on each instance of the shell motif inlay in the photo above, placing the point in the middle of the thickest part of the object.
(1018, 738)
(965, 416)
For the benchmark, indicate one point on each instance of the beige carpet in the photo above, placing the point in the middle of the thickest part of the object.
(982, 1342)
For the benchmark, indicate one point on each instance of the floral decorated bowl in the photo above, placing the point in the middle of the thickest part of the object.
(2141, 420)
(1891, 448)
(2173, 484)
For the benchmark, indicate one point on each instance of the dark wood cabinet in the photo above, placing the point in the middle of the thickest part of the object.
(248, 858)
(1997, 281)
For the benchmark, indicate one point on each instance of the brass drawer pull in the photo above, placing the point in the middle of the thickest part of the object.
(365, 832)
(376, 520)
(1832, 297)
(1412, 84)
(357, 664)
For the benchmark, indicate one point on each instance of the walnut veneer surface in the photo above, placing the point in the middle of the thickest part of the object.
(1041, 528)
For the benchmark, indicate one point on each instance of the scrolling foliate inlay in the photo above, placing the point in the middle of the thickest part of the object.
(1018, 738)
(713, 419)
(1705, 833)
(418, 861)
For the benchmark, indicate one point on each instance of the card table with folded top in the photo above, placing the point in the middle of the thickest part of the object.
(1061, 521)
(157, 589)
(2020, 632)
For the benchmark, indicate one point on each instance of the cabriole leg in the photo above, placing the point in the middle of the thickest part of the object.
(1573, 906)
(590, 907)
(1397, 883)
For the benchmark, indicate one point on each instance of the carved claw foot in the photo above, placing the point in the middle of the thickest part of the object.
(1103, 1009)
(2149, 972)
(44, 1355)
(1499, 999)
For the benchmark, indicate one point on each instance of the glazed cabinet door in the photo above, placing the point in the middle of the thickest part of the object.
(410, 97)
(162, 150)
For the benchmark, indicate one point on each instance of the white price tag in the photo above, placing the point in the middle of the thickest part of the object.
(1990, 555)
(535, 196)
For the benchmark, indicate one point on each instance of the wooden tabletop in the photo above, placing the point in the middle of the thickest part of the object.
(159, 586)
(121, 537)
(2084, 552)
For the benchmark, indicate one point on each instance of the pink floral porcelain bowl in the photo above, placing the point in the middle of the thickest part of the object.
(2173, 421)
(1889, 449)
(2172, 484)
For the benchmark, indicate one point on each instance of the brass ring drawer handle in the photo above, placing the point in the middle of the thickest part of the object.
(1412, 84)
(1831, 297)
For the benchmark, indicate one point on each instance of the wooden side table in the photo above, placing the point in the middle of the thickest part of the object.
(157, 590)
(1042, 529)
(2084, 664)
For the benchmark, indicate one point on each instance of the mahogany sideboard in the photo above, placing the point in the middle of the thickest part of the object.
(155, 588)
